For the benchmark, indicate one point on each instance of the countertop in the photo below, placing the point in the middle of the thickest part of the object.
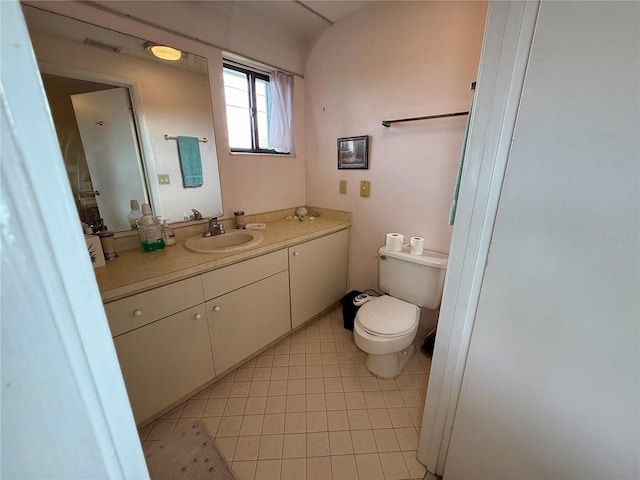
(136, 271)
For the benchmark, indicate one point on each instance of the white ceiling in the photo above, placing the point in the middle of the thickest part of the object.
(277, 32)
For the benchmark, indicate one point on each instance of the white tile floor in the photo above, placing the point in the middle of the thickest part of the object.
(307, 408)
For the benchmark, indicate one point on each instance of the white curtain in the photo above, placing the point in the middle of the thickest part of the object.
(281, 113)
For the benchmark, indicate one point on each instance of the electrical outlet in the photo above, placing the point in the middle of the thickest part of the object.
(343, 187)
(365, 188)
(163, 179)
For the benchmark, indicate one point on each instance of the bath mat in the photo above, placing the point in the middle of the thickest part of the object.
(188, 454)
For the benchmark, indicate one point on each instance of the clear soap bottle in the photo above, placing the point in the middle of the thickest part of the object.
(150, 230)
(134, 215)
(168, 234)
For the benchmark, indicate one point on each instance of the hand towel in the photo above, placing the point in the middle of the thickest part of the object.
(190, 163)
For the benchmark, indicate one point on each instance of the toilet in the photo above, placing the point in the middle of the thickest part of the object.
(386, 326)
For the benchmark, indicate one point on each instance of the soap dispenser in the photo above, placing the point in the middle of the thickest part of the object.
(168, 234)
(134, 215)
(150, 230)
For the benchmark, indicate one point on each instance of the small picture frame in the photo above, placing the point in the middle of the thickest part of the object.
(353, 153)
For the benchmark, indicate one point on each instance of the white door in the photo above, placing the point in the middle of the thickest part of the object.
(551, 386)
(65, 412)
(111, 147)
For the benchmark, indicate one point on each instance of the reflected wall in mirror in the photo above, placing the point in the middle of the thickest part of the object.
(156, 98)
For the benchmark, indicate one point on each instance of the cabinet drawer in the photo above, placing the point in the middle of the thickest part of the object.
(227, 279)
(138, 310)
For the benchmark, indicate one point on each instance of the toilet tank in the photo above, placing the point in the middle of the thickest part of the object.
(416, 279)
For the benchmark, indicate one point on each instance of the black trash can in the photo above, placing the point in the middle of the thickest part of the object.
(349, 309)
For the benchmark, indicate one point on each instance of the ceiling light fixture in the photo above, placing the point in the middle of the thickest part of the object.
(163, 52)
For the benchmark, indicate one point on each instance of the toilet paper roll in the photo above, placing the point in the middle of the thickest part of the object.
(416, 245)
(394, 242)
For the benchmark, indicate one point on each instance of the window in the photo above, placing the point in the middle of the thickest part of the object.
(259, 109)
(248, 100)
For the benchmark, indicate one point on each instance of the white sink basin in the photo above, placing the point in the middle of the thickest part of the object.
(227, 242)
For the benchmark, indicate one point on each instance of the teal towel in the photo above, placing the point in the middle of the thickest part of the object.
(456, 190)
(190, 163)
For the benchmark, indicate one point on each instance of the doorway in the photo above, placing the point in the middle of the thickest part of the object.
(98, 138)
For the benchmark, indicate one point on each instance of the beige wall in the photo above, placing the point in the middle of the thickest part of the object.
(392, 60)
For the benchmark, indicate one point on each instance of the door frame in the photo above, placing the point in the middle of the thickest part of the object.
(509, 31)
(62, 388)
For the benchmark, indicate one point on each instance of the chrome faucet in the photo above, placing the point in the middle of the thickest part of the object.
(196, 215)
(214, 228)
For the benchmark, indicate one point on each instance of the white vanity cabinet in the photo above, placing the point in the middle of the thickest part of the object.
(317, 275)
(249, 307)
(174, 339)
(163, 355)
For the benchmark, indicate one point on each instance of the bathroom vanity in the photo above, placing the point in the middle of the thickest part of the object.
(181, 319)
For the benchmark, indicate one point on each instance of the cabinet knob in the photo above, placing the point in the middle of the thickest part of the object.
(295, 254)
(216, 308)
(198, 316)
(137, 313)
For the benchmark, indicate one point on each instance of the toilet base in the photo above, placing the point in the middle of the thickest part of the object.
(389, 365)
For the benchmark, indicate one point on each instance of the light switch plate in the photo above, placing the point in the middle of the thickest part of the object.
(365, 188)
(343, 187)
(163, 179)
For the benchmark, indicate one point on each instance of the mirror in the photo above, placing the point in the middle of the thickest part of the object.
(118, 112)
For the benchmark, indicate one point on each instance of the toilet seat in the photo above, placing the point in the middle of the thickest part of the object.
(387, 317)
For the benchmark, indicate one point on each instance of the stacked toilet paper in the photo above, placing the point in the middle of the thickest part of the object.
(395, 243)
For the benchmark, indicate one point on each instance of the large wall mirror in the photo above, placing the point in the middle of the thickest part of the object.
(118, 112)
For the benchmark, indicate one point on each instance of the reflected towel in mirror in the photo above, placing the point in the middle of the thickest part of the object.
(190, 163)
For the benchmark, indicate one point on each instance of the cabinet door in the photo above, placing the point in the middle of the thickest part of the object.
(245, 320)
(165, 360)
(318, 275)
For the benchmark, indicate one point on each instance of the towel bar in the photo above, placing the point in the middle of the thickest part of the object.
(173, 137)
(387, 123)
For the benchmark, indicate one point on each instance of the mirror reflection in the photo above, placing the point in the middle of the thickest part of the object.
(113, 104)
(99, 142)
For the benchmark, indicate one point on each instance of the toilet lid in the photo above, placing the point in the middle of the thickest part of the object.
(387, 316)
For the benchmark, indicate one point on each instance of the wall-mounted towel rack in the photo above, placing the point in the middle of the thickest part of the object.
(173, 137)
(387, 123)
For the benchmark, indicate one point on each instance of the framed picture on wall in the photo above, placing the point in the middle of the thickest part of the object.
(353, 153)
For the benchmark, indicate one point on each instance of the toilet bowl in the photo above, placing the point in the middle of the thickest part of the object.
(386, 326)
